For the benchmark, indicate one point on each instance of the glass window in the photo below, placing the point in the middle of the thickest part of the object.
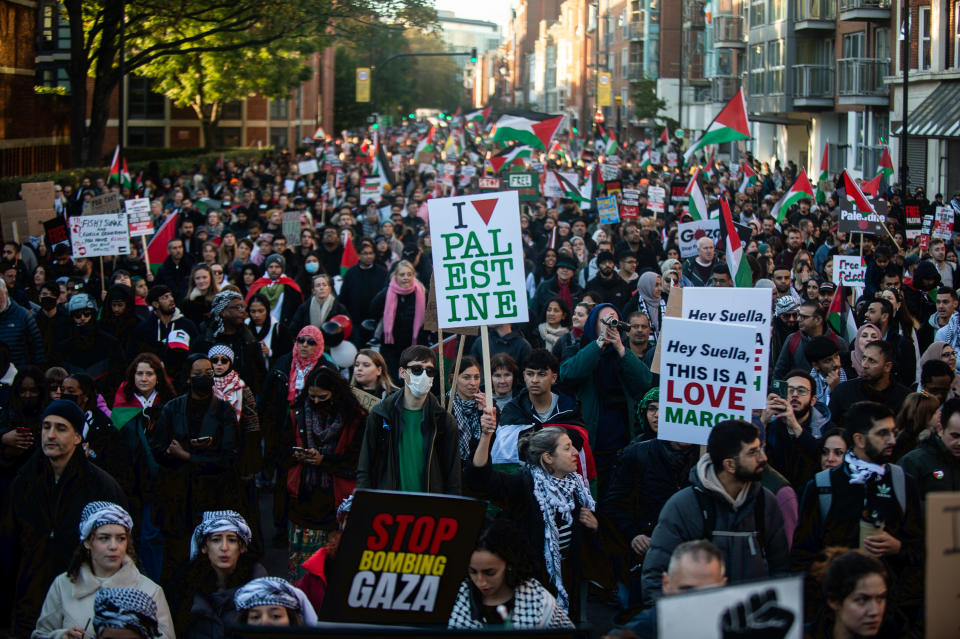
(956, 36)
(142, 102)
(881, 45)
(279, 109)
(854, 45)
(149, 136)
(924, 44)
(232, 110)
(279, 137)
(757, 69)
(758, 10)
(775, 67)
(778, 10)
(229, 136)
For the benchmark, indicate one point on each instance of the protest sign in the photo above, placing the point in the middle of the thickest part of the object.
(138, 216)
(468, 170)
(706, 376)
(489, 184)
(527, 184)
(678, 195)
(369, 192)
(943, 563)
(852, 221)
(39, 198)
(307, 167)
(656, 199)
(290, 227)
(630, 204)
(609, 172)
(607, 209)
(688, 233)
(767, 608)
(56, 232)
(914, 220)
(103, 204)
(289, 186)
(478, 259)
(400, 561)
(612, 187)
(672, 159)
(943, 223)
(750, 306)
(849, 270)
(14, 216)
(100, 235)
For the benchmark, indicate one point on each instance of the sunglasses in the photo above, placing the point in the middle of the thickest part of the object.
(418, 370)
(309, 341)
(83, 313)
(220, 359)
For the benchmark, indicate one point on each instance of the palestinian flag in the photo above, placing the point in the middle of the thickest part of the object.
(697, 204)
(527, 127)
(736, 260)
(588, 192)
(118, 170)
(123, 409)
(349, 257)
(645, 162)
(157, 247)
(872, 187)
(824, 172)
(800, 190)
(382, 167)
(481, 115)
(448, 351)
(609, 141)
(840, 317)
(711, 167)
(885, 170)
(664, 137)
(749, 177)
(425, 145)
(570, 190)
(450, 147)
(855, 195)
(730, 125)
(509, 155)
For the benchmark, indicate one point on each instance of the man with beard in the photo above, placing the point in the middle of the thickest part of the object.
(869, 503)
(726, 504)
(613, 289)
(793, 427)
(875, 384)
(151, 334)
(785, 318)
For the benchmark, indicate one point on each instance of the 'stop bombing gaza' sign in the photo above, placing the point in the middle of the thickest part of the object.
(478, 260)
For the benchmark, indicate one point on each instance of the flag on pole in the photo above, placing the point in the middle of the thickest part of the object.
(824, 172)
(425, 145)
(527, 127)
(119, 171)
(711, 167)
(664, 137)
(349, 257)
(645, 160)
(800, 190)
(609, 141)
(506, 157)
(697, 204)
(873, 186)
(840, 317)
(749, 177)
(570, 190)
(157, 247)
(480, 115)
(885, 170)
(736, 260)
(855, 195)
(730, 125)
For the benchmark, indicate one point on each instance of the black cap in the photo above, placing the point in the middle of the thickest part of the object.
(819, 348)
(156, 292)
(565, 261)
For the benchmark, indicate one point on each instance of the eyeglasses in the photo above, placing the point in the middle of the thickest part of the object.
(220, 359)
(86, 312)
(791, 315)
(234, 307)
(217, 271)
(309, 341)
(798, 390)
(419, 370)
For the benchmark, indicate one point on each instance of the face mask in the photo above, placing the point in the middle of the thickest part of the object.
(420, 384)
(48, 303)
(73, 398)
(312, 267)
(201, 384)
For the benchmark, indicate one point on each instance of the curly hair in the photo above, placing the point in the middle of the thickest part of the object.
(503, 538)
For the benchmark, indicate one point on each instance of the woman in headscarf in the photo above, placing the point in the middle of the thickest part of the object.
(402, 305)
(321, 306)
(105, 558)
(648, 411)
(219, 565)
(320, 450)
(271, 601)
(945, 353)
(852, 360)
(125, 613)
(119, 317)
(650, 300)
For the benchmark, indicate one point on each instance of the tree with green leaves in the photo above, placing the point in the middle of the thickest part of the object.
(647, 104)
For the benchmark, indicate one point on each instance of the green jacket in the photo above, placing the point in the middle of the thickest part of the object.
(580, 370)
(934, 467)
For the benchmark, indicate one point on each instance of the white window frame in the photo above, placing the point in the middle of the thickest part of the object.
(956, 36)
(924, 41)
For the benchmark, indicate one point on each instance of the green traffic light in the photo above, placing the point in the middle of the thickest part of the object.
(375, 126)
(575, 130)
(411, 116)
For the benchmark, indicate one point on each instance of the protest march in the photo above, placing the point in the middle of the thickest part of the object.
(410, 377)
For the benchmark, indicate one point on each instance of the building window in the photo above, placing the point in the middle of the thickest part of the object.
(624, 62)
(229, 136)
(142, 102)
(775, 67)
(778, 10)
(757, 70)
(956, 35)
(145, 136)
(279, 110)
(853, 45)
(52, 75)
(758, 10)
(279, 137)
(923, 42)
(881, 45)
(232, 110)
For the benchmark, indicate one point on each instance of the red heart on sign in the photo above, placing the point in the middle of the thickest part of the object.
(485, 208)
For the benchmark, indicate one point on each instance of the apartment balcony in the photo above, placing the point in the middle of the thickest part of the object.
(724, 87)
(635, 71)
(860, 81)
(728, 32)
(862, 10)
(636, 31)
(818, 15)
(813, 85)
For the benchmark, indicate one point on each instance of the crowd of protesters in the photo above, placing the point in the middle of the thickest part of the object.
(146, 412)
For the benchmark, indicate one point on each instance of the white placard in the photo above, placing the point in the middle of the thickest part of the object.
(849, 270)
(767, 608)
(750, 306)
(289, 186)
(706, 376)
(478, 259)
(688, 233)
(100, 235)
(138, 216)
(307, 167)
(609, 172)
(656, 198)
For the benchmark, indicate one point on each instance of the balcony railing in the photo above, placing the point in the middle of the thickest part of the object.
(727, 30)
(816, 10)
(864, 9)
(636, 30)
(862, 77)
(724, 87)
(813, 82)
(634, 71)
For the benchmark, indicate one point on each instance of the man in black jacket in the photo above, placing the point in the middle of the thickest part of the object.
(792, 446)
(48, 496)
(876, 384)
(612, 288)
(361, 283)
(175, 270)
(226, 326)
(935, 463)
(537, 403)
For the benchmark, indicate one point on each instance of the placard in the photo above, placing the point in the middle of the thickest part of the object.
(478, 259)
(706, 376)
(489, 184)
(307, 167)
(609, 172)
(689, 233)
(11, 213)
(656, 199)
(630, 204)
(943, 564)
(852, 221)
(56, 232)
(402, 557)
(138, 216)
(368, 192)
(289, 186)
(468, 170)
(849, 270)
(527, 184)
(943, 223)
(290, 227)
(39, 198)
(738, 305)
(607, 209)
(100, 235)
(106, 203)
(763, 608)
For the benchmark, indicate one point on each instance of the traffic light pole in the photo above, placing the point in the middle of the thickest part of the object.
(432, 54)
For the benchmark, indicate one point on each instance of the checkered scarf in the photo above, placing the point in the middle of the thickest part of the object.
(533, 607)
(125, 608)
(219, 303)
(274, 591)
(102, 513)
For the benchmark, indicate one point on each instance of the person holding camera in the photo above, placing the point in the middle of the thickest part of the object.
(610, 379)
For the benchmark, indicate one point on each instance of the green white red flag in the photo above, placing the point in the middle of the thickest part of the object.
(730, 125)
(527, 127)
(118, 170)
(800, 190)
(736, 260)
(696, 204)
(824, 172)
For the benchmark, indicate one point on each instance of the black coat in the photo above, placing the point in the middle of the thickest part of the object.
(302, 317)
(247, 357)
(359, 287)
(933, 466)
(176, 276)
(797, 458)
(42, 523)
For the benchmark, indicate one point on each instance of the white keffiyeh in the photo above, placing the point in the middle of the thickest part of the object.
(862, 471)
(102, 513)
(215, 521)
(274, 591)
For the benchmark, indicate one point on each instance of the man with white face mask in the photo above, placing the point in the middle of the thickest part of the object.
(411, 443)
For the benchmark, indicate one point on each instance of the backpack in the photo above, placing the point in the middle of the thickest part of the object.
(794, 342)
(709, 511)
(825, 490)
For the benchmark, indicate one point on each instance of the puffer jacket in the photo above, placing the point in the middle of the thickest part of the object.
(19, 332)
(751, 549)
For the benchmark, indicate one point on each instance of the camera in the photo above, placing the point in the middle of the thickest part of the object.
(612, 322)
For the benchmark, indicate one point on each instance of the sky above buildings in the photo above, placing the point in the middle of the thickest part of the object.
(492, 10)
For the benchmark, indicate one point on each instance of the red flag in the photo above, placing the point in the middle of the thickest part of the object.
(854, 193)
(664, 136)
(873, 186)
(157, 248)
(349, 257)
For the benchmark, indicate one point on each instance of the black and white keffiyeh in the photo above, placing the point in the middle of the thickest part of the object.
(558, 498)
(215, 521)
(102, 513)
(274, 591)
(126, 608)
(221, 349)
(533, 607)
(219, 303)
(861, 471)
(467, 414)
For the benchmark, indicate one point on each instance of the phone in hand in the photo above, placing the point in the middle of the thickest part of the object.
(200, 441)
(24, 429)
(779, 386)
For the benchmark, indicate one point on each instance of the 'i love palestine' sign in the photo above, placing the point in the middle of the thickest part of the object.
(478, 260)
